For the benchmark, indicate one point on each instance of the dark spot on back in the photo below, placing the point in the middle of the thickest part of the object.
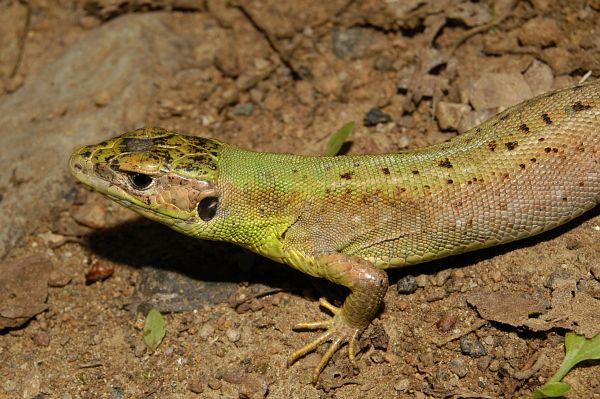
(533, 160)
(581, 184)
(524, 128)
(546, 118)
(445, 163)
(511, 145)
(386, 171)
(492, 145)
(541, 139)
(522, 165)
(478, 129)
(450, 181)
(547, 149)
(347, 175)
(555, 150)
(578, 106)
(415, 172)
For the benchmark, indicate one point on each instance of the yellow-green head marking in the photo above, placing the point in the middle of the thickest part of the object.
(162, 175)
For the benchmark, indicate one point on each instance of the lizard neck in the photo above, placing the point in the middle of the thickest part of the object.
(260, 196)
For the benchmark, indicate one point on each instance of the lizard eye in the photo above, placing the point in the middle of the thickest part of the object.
(207, 208)
(139, 181)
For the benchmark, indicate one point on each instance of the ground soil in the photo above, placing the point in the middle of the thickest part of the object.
(283, 76)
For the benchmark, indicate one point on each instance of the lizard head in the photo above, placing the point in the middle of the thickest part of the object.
(162, 175)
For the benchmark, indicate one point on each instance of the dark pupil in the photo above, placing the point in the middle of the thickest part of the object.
(139, 180)
(207, 208)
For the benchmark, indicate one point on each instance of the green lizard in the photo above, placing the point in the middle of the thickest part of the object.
(347, 218)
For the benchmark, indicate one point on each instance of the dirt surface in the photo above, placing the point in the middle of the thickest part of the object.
(79, 273)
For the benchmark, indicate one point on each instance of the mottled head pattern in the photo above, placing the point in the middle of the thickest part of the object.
(160, 174)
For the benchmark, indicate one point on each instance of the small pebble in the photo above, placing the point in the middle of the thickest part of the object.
(572, 244)
(89, 22)
(559, 278)
(442, 374)
(206, 331)
(233, 335)
(458, 367)
(473, 348)
(196, 387)
(102, 99)
(139, 350)
(441, 277)
(377, 357)
(215, 384)
(406, 285)
(233, 375)
(13, 84)
(449, 114)
(99, 271)
(446, 322)
(496, 275)
(402, 385)
(376, 116)
(494, 365)
(484, 362)
(41, 339)
(253, 386)
(244, 109)
(117, 393)
(9, 385)
(436, 294)
(422, 280)
(92, 214)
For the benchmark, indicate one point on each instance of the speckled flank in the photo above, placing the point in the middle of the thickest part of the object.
(524, 171)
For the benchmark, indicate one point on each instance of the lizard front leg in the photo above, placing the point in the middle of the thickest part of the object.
(367, 284)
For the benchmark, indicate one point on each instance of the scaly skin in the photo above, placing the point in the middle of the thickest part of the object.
(524, 171)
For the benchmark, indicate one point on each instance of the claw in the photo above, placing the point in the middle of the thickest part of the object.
(338, 332)
(325, 303)
(311, 346)
(335, 345)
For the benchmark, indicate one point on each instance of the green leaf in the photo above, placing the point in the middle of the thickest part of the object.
(337, 139)
(552, 390)
(154, 329)
(581, 348)
(578, 348)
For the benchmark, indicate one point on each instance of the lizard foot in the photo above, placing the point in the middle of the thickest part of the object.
(339, 332)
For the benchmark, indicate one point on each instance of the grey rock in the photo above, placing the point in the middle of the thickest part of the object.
(54, 112)
(407, 285)
(473, 348)
(375, 116)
